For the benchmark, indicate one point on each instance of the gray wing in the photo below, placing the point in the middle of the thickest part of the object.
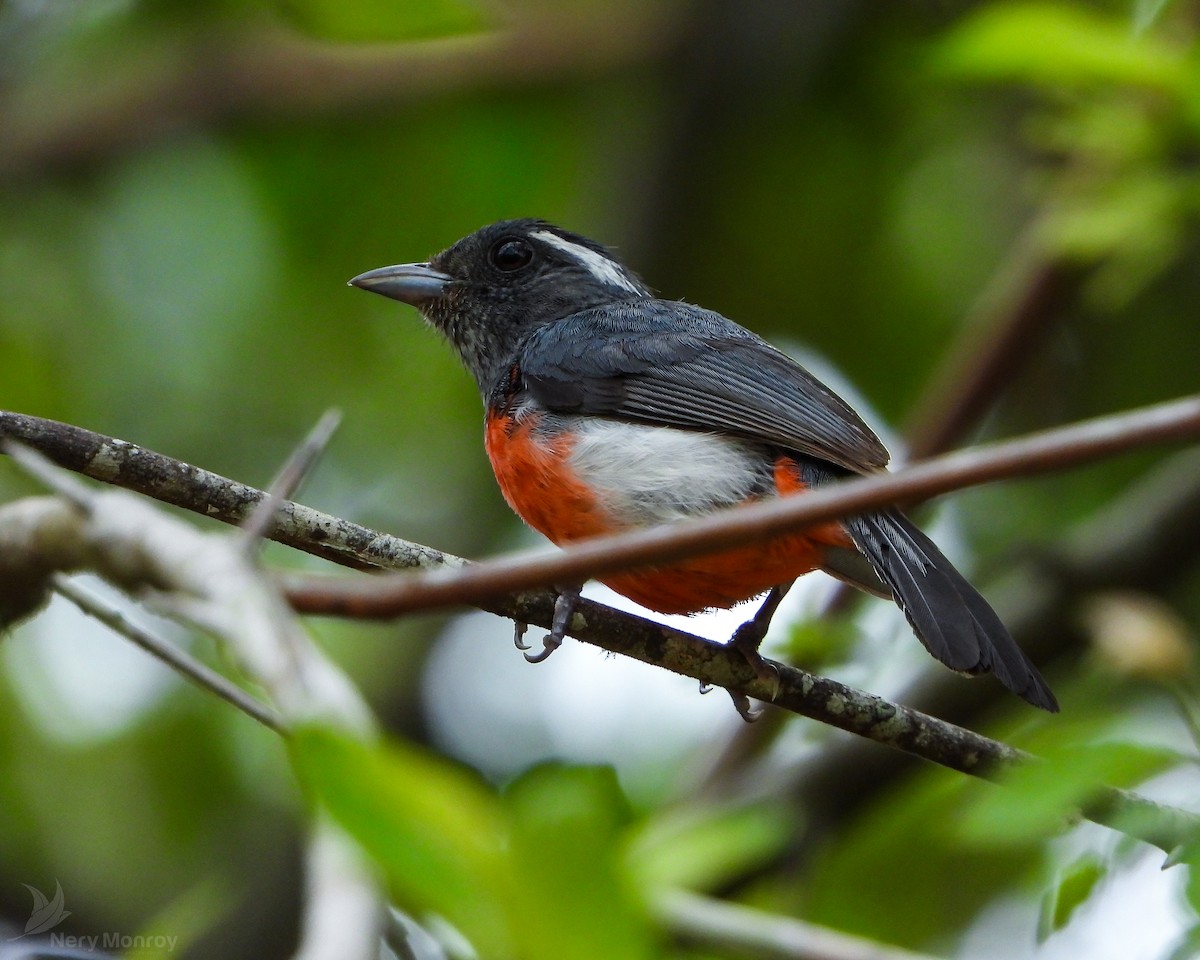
(677, 365)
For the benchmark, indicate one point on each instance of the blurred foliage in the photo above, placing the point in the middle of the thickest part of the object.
(1041, 797)
(378, 21)
(536, 873)
(185, 188)
(1119, 115)
(1073, 887)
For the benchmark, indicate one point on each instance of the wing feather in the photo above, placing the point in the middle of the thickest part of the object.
(677, 365)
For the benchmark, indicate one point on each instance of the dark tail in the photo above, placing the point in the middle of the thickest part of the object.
(948, 615)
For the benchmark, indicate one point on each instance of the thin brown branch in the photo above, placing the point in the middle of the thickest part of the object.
(203, 578)
(178, 660)
(1036, 453)
(1147, 538)
(1011, 321)
(180, 484)
(1018, 309)
(797, 691)
(209, 580)
(290, 475)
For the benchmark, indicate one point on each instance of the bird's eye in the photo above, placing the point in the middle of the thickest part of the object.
(511, 254)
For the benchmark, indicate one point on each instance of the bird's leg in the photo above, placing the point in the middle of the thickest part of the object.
(564, 608)
(749, 637)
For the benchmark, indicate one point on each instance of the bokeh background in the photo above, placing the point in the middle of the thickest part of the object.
(879, 188)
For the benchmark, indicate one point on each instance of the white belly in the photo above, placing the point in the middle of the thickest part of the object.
(651, 474)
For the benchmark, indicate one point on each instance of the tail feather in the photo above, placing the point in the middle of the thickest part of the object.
(947, 614)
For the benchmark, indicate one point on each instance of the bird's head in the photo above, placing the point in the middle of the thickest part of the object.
(488, 291)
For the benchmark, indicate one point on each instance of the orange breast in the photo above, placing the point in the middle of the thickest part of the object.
(535, 476)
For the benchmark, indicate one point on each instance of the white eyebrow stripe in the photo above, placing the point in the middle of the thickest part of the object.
(598, 265)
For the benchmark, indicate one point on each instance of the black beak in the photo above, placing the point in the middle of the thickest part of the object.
(413, 283)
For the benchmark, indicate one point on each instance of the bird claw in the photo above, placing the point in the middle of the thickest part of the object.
(549, 644)
(564, 609)
(749, 637)
(741, 703)
(519, 630)
(768, 673)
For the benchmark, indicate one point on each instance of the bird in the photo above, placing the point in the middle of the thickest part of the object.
(609, 409)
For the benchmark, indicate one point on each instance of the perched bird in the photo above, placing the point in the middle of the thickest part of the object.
(608, 409)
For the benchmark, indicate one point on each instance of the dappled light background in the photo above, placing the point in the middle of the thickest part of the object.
(184, 191)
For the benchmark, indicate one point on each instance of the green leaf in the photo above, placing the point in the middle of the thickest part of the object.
(437, 831)
(1052, 45)
(575, 899)
(1075, 884)
(1133, 229)
(1138, 214)
(701, 849)
(382, 21)
(1190, 855)
(900, 856)
(1037, 799)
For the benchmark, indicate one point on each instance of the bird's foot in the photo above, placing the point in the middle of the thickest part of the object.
(564, 608)
(746, 640)
(749, 636)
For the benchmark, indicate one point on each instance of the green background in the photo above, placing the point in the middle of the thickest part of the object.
(184, 190)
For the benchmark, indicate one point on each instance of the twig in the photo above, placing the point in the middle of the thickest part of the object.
(210, 579)
(291, 474)
(1049, 450)
(178, 660)
(1147, 538)
(1013, 317)
(172, 481)
(1017, 311)
(40, 467)
(731, 926)
(137, 547)
(798, 691)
